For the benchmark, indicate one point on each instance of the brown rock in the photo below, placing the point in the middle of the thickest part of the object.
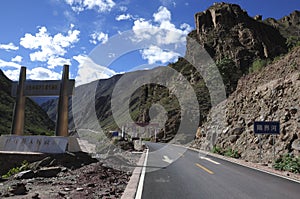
(18, 189)
(48, 172)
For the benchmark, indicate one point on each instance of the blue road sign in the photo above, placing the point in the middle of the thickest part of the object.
(266, 127)
(115, 134)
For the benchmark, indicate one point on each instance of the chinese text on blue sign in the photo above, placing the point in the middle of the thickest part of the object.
(266, 127)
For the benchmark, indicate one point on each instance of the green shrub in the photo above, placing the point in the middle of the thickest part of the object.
(258, 65)
(16, 170)
(217, 150)
(232, 153)
(287, 163)
(292, 41)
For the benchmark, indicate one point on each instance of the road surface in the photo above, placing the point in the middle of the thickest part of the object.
(195, 175)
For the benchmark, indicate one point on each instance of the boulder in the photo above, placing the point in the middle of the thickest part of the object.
(18, 189)
(296, 144)
(24, 175)
(48, 172)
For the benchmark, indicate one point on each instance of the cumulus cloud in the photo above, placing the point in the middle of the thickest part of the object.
(37, 73)
(40, 73)
(89, 71)
(161, 31)
(47, 47)
(124, 17)
(17, 58)
(12, 74)
(57, 61)
(9, 47)
(162, 15)
(98, 5)
(12, 64)
(98, 37)
(155, 54)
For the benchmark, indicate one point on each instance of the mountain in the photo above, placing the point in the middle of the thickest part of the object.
(36, 119)
(238, 44)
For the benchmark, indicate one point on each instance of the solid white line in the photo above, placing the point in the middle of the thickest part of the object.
(142, 177)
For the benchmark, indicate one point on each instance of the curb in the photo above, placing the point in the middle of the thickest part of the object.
(132, 186)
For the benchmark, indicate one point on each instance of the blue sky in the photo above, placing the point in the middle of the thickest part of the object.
(44, 35)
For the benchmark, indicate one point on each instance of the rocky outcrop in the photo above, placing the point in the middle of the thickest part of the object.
(226, 31)
(289, 27)
(270, 95)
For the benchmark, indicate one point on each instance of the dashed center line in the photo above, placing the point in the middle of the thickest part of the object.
(204, 168)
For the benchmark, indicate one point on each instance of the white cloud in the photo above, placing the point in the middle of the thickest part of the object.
(38, 73)
(98, 37)
(41, 73)
(161, 31)
(124, 17)
(12, 74)
(163, 14)
(164, 30)
(47, 47)
(9, 46)
(57, 61)
(17, 58)
(89, 71)
(98, 5)
(155, 54)
(4, 64)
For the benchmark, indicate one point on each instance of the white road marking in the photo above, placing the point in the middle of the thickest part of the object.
(167, 159)
(142, 178)
(208, 159)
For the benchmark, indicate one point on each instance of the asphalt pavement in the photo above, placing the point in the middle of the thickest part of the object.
(173, 172)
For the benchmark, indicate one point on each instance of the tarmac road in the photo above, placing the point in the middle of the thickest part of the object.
(195, 175)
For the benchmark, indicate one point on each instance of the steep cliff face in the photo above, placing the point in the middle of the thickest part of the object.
(270, 95)
(226, 31)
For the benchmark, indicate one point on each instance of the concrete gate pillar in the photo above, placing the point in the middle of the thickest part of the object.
(63, 103)
(19, 109)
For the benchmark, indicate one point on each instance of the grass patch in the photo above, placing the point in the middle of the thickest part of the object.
(227, 152)
(232, 153)
(217, 150)
(258, 65)
(16, 170)
(288, 163)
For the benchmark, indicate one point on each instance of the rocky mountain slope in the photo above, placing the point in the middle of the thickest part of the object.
(36, 119)
(272, 94)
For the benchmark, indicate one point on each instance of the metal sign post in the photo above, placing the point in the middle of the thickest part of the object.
(263, 127)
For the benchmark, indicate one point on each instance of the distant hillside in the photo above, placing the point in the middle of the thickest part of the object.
(36, 119)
